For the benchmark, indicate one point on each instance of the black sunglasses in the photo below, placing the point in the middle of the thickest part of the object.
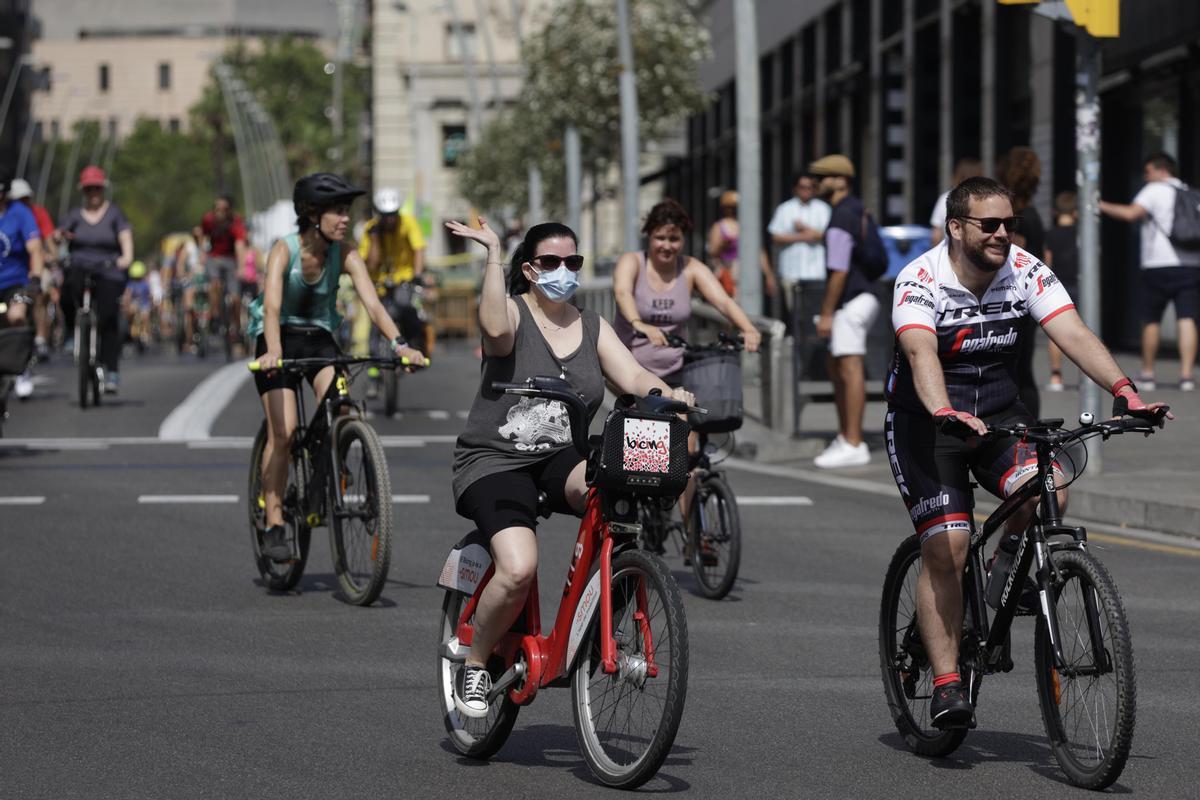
(548, 262)
(990, 225)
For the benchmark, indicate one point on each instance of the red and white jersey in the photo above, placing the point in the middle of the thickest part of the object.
(977, 336)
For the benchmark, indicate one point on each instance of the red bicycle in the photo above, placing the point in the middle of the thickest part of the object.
(620, 637)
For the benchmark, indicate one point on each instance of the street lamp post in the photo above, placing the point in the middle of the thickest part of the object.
(627, 88)
(749, 155)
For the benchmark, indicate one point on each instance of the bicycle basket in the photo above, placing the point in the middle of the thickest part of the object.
(16, 348)
(643, 454)
(715, 377)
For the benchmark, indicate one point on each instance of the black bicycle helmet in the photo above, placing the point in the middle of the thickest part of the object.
(322, 190)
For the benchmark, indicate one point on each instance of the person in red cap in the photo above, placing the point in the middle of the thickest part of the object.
(99, 240)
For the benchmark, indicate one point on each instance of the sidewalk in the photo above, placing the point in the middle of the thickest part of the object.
(1150, 483)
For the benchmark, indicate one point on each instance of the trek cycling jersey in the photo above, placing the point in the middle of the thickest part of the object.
(977, 336)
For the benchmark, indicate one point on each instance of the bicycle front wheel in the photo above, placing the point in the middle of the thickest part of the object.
(83, 359)
(1089, 704)
(716, 537)
(907, 674)
(278, 577)
(360, 518)
(626, 721)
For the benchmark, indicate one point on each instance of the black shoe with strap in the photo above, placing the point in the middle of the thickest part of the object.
(950, 707)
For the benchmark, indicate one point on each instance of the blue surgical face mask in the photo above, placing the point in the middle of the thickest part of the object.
(558, 284)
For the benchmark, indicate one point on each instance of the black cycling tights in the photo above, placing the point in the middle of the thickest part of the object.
(106, 304)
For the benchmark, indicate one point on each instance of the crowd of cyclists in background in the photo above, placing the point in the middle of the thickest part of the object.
(192, 294)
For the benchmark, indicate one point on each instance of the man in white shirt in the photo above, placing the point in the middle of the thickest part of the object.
(798, 228)
(1169, 274)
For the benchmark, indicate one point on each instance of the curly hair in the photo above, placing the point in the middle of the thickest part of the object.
(667, 212)
(1020, 170)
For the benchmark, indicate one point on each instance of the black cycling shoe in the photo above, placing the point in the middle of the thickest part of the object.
(275, 545)
(950, 709)
(1029, 602)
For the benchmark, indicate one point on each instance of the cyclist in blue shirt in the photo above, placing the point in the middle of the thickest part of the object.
(20, 264)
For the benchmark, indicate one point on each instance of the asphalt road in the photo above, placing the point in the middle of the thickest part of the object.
(141, 658)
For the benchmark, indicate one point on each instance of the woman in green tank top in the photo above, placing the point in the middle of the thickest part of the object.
(296, 317)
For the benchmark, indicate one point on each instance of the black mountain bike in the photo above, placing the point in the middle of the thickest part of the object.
(1083, 656)
(337, 477)
(89, 373)
(404, 304)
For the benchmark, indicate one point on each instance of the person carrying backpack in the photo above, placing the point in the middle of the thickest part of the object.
(854, 259)
(1167, 209)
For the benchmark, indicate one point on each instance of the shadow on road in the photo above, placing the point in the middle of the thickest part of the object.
(556, 747)
(328, 582)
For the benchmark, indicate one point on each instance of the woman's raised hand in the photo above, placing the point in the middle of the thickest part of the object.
(483, 234)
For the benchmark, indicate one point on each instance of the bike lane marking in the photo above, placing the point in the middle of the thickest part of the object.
(161, 499)
(29, 500)
(410, 498)
(194, 417)
(774, 501)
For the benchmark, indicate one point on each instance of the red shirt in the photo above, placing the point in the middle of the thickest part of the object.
(42, 217)
(223, 237)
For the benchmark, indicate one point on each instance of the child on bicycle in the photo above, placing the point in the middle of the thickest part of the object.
(296, 317)
(513, 448)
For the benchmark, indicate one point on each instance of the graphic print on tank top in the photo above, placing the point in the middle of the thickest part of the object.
(535, 423)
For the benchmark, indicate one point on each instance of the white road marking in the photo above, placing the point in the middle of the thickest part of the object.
(22, 501)
(194, 417)
(439, 414)
(162, 499)
(417, 441)
(410, 498)
(774, 501)
(814, 476)
(462, 413)
(222, 443)
(52, 444)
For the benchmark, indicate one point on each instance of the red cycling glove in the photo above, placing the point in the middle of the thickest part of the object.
(955, 423)
(1127, 402)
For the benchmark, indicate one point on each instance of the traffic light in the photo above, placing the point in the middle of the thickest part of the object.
(1101, 18)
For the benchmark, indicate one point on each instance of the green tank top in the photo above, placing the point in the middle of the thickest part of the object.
(305, 303)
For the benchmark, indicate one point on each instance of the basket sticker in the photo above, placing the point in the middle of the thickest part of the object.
(647, 445)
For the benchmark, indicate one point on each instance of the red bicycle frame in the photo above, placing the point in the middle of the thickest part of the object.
(547, 657)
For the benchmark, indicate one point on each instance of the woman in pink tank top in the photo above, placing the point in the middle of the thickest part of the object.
(654, 290)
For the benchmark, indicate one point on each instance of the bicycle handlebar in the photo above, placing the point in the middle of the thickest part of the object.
(724, 342)
(1049, 431)
(297, 364)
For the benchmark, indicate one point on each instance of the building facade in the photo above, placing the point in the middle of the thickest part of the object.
(116, 61)
(906, 87)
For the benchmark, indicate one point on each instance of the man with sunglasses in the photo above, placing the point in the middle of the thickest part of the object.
(957, 312)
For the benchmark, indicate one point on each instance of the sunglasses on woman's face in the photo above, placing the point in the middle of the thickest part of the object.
(990, 225)
(549, 261)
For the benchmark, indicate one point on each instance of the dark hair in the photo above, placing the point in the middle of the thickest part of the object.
(958, 202)
(517, 282)
(1021, 171)
(1065, 203)
(304, 216)
(667, 212)
(801, 176)
(1161, 160)
(226, 196)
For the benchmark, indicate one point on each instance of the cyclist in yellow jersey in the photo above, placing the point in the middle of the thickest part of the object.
(393, 249)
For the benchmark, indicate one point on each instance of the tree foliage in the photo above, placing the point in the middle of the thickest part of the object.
(572, 75)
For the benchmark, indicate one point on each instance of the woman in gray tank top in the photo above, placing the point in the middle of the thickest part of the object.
(514, 447)
(295, 317)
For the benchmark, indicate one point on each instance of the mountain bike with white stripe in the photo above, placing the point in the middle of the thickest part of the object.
(337, 477)
(1083, 653)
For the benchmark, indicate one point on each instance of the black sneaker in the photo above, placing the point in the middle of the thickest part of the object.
(275, 544)
(950, 709)
(471, 691)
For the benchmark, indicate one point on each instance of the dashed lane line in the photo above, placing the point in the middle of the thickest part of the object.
(167, 499)
(774, 501)
(213, 443)
(30, 500)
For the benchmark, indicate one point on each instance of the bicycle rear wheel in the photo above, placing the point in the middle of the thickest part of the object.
(626, 722)
(360, 514)
(1089, 706)
(907, 675)
(474, 738)
(278, 577)
(716, 537)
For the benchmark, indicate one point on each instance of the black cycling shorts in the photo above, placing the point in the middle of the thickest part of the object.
(932, 469)
(510, 499)
(1162, 285)
(298, 342)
